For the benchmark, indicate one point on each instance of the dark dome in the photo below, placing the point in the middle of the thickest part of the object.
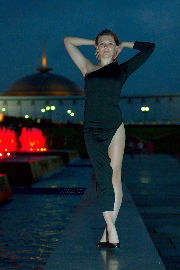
(43, 84)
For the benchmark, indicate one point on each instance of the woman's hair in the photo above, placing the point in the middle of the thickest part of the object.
(108, 32)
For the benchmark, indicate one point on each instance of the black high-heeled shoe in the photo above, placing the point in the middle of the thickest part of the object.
(113, 245)
(103, 244)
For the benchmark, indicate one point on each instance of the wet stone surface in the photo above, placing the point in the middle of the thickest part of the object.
(31, 224)
(30, 228)
(154, 183)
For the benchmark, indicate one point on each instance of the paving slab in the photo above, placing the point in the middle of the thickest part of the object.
(76, 248)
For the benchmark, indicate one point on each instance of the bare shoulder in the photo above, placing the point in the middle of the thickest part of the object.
(90, 67)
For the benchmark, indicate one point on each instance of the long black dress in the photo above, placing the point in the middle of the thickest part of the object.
(102, 117)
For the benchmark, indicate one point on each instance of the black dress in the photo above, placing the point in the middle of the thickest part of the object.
(102, 117)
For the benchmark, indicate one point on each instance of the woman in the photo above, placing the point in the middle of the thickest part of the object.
(104, 130)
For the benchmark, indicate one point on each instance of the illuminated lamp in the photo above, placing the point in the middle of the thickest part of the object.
(72, 114)
(53, 108)
(1, 155)
(8, 154)
(26, 116)
(68, 111)
(47, 108)
(3, 109)
(43, 110)
(1, 117)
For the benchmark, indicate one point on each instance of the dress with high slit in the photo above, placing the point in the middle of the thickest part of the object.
(103, 116)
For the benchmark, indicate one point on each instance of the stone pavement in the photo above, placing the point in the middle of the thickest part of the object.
(154, 184)
(76, 248)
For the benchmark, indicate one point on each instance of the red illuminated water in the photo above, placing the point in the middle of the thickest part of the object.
(32, 139)
(8, 141)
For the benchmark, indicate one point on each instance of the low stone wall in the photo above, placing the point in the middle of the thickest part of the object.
(28, 170)
(5, 189)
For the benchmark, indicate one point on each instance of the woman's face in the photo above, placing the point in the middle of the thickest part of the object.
(106, 46)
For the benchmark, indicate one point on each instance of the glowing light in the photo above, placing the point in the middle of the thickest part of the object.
(43, 110)
(44, 56)
(68, 111)
(8, 154)
(72, 114)
(1, 154)
(31, 139)
(26, 116)
(47, 108)
(1, 117)
(42, 149)
(45, 149)
(53, 108)
(3, 109)
(144, 109)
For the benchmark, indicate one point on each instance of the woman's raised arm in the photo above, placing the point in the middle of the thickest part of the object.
(78, 58)
(145, 48)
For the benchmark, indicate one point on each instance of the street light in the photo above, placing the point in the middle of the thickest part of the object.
(53, 108)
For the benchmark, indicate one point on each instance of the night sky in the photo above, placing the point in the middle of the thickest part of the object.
(24, 25)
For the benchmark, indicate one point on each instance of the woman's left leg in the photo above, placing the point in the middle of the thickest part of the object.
(115, 152)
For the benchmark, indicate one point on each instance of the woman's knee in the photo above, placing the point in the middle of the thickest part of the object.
(116, 168)
(116, 173)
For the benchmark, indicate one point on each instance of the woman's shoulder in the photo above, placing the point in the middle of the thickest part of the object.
(91, 68)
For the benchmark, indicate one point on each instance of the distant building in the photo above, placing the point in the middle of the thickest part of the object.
(48, 95)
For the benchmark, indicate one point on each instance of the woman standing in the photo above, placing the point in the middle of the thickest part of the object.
(104, 130)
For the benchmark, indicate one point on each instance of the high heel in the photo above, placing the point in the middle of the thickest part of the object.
(113, 245)
(103, 244)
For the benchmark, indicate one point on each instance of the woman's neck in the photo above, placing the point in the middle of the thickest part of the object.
(104, 63)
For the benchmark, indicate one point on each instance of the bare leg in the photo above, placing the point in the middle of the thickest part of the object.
(118, 195)
(116, 151)
(118, 200)
(112, 233)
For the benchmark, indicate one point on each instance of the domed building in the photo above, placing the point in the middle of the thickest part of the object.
(43, 84)
(44, 95)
